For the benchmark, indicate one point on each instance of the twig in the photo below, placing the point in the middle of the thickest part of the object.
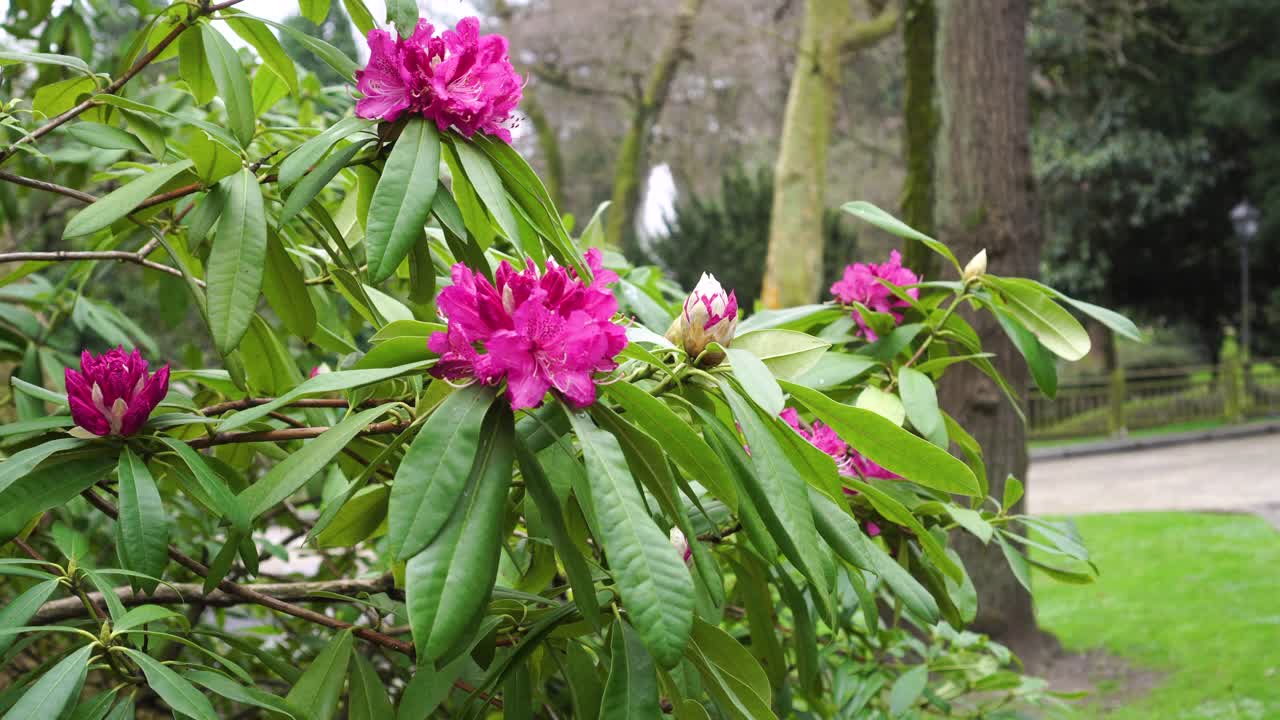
(83, 197)
(77, 255)
(183, 593)
(302, 433)
(246, 403)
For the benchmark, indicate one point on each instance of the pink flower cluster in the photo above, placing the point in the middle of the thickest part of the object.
(537, 331)
(112, 394)
(860, 285)
(848, 461)
(460, 78)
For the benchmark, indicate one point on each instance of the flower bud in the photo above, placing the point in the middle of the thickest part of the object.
(681, 544)
(113, 394)
(976, 268)
(709, 315)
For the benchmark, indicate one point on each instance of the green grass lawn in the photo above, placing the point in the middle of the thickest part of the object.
(1196, 596)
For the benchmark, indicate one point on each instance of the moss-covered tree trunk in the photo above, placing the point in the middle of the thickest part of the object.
(920, 115)
(630, 168)
(548, 146)
(793, 271)
(985, 199)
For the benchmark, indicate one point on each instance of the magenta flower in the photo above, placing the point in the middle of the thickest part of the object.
(461, 79)
(112, 394)
(860, 285)
(538, 331)
(872, 528)
(848, 460)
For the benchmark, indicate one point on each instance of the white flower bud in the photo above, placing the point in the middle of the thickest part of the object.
(977, 267)
(709, 315)
(681, 544)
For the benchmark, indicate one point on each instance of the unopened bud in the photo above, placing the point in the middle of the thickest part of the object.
(681, 544)
(709, 316)
(976, 268)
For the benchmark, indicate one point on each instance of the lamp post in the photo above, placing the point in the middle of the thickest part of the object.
(1244, 216)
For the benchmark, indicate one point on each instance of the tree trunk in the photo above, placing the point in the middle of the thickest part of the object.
(793, 270)
(920, 114)
(985, 199)
(630, 169)
(548, 146)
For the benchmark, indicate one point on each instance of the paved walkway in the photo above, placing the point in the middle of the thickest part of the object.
(1241, 474)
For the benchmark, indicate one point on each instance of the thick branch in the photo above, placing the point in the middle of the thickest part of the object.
(77, 255)
(302, 433)
(183, 593)
(863, 35)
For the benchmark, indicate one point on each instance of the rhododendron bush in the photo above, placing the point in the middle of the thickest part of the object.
(431, 450)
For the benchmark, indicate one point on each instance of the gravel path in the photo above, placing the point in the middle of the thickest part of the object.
(1241, 474)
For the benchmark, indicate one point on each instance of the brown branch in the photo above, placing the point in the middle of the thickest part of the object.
(245, 403)
(77, 255)
(302, 433)
(184, 593)
(250, 595)
(83, 197)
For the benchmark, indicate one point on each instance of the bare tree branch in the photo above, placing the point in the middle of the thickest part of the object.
(864, 34)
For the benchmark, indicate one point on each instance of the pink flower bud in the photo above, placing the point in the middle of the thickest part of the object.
(113, 394)
(872, 529)
(709, 315)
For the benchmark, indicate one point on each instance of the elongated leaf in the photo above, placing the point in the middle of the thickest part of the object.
(286, 290)
(48, 696)
(890, 446)
(448, 584)
(885, 404)
(105, 136)
(218, 494)
(326, 383)
(120, 202)
(685, 446)
(788, 354)
(236, 261)
(883, 220)
(232, 82)
(313, 182)
(9, 57)
(368, 699)
(16, 466)
(144, 614)
(194, 69)
(631, 693)
(247, 695)
(921, 401)
(142, 530)
(1060, 332)
(402, 200)
(656, 587)
(294, 471)
(174, 689)
(433, 474)
(1112, 319)
(359, 517)
(907, 689)
(488, 186)
(268, 47)
(360, 16)
(754, 377)
(1043, 366)
(56, 98)
(896, 512)
(19, 610)
(54, 482)
(293, 167)
(316, 693)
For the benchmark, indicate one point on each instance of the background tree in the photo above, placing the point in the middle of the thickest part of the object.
(985, 199)
(920, 128)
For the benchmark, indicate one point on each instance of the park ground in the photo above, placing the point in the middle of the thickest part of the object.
(1184, 621)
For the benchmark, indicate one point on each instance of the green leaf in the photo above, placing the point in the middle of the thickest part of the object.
(18, 465)
(972, 521)
(433, 474)
(404, 15)
(232, 82)
(121, 201)
(656, 587)
(896, 512)
(1043, 366)
(393, 352)
(907, 690)
(142, 530)
(217, 496)
(730, 657)
(56, 98)
(1017, 562)
(296, 165)
(294, 471)
(886, 405)
(22, 608)
(332, 56)
(359, 518)
(778, 491)
(50, 695)
(402, 200)
(313, 182)
(105, 137)
(883, 220)
(793, 318)
(889, 446)
(921, 401)
(360, 16)
(1110, 318)
(236, 260)
(194, 69)
(286, 291)
(485, 180)
(631, 692)
(246, 695)
(326, 383)
(1012, 493)
(447, 585)
(11, 57)
(268, 47)
(677, 438)
(53, 483)
(367, 699)
(142, 615)
(213, 160)
(175, 690)
(1056, 328)
(314, 10)
(788, 354)
(754, 377)
(316, 693)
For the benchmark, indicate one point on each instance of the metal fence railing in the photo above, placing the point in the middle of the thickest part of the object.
(1137, 400)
